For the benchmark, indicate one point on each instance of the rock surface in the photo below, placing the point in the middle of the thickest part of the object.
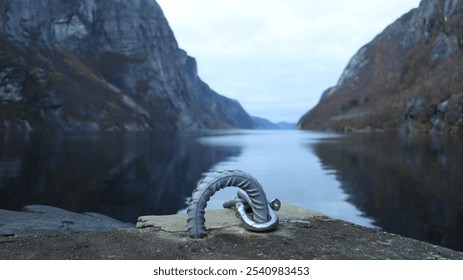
(301, 235)
(408, 78)
(41, 219)
(101, 65)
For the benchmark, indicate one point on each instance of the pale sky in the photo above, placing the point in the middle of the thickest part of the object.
(277, 57)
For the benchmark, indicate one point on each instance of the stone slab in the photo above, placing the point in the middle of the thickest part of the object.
(220, 218)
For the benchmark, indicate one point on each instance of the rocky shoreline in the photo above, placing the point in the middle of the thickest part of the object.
(42, 220)
(302, 234)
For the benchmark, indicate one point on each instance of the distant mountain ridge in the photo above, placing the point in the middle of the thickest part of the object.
(101, 65)
(261, 123)
(409, 78)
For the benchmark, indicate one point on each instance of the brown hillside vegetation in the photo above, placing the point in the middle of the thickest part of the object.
(408, 78)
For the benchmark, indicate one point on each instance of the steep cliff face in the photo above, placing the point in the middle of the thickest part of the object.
(101, 65)
(408, 78)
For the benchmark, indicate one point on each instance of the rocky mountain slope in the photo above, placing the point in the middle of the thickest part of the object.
(101, 65)
(408, 78)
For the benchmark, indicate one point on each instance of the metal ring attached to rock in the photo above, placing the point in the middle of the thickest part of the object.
(264, 218)
(250, 224)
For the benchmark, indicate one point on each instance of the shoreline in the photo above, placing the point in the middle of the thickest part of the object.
(301, 234)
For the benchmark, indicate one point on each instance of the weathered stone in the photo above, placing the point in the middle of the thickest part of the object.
(422, 115)
(216, 219)
(41, 219)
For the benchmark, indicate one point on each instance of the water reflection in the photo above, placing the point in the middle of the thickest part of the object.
(410, 185)
(285, 167)
(123, 175)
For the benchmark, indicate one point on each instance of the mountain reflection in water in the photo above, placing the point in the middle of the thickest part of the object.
(122, 175)
(410, 185)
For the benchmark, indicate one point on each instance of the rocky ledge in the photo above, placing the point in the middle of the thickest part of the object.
(302, 234)
(41, 219)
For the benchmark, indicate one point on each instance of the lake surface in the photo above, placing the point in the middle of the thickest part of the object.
(409, 185)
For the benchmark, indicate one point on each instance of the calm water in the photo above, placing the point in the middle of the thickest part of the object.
(412, 186)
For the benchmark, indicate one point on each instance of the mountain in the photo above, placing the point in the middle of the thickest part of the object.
(261, 123)
(286, 125)
(409, 78)
(101, 65)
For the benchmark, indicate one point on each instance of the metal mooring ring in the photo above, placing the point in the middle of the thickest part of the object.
(241, 201)
(264, 218)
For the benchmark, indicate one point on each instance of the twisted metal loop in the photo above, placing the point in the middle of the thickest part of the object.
(217, 181)
(240, 203)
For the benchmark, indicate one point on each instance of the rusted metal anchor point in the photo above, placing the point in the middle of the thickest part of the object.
(251, 194)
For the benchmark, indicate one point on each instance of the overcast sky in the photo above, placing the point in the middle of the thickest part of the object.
(277, 57)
